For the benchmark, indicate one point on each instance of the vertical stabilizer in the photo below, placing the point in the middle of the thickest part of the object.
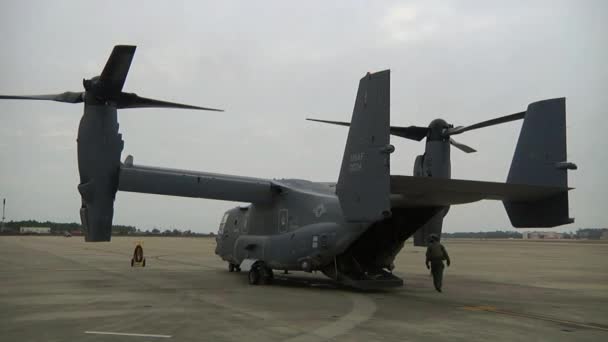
(540, 159)
(541, 146)
(364, 183)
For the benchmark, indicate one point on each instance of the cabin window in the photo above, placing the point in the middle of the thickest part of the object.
(245, 229)
(283, 220)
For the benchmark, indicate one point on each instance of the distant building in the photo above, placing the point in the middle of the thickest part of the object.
(541, 235)
(35, 230)
(6, 229)
(604, 235)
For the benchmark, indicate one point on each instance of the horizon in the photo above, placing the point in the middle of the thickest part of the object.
(510, 229)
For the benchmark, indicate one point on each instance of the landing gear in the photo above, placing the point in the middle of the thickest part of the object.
(267, 275)
(254, 276)
(233, 267)
(260, 274)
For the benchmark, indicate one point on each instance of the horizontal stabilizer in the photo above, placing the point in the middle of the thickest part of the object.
(411, 191)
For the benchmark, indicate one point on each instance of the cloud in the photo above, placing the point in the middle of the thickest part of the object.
(419, 21)
(401, 25)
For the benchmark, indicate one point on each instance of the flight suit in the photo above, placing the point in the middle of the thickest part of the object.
(435, 254)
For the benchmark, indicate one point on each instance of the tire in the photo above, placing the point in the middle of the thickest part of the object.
(254, 276)
(138, 254)
(267, 275)
(230, 267)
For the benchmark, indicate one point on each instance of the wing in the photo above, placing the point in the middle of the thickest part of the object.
(185, 183)
(410, 191)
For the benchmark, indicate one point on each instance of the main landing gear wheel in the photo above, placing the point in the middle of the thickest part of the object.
(254, 276)
(267, 275)
(260, 274)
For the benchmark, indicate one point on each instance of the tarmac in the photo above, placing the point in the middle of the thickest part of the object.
(62, 289)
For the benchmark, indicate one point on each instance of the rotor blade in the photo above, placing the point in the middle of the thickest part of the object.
(503, 119)
(133, 101)
(341, 123)
(411, 132)
(67, 97)
(462, 147)
(117, 67)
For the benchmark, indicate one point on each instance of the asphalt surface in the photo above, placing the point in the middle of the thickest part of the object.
(62, 289)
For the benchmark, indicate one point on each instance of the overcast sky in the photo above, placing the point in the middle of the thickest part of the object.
(271, 65)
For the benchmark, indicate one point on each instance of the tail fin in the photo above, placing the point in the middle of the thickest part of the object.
(364, 183)
(540, 159)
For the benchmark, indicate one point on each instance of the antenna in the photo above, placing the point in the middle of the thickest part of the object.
(3, 206)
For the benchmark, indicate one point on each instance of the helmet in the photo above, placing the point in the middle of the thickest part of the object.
(433, 237)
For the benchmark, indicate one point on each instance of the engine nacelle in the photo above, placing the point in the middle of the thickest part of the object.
(99, 149)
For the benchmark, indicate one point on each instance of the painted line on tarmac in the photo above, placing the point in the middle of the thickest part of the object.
(363, 309)
(126, 334)
(534, 316)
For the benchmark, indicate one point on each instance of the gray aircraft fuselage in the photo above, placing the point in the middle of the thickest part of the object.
(303, 228)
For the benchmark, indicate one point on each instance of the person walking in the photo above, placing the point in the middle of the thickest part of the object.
(435, 254)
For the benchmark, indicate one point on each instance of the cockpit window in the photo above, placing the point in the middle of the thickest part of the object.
(223, 223)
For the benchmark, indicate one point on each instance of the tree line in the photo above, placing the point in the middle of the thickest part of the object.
(61, 228)
(583, 233)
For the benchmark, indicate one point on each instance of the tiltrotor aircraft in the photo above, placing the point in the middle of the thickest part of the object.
(350, 230)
